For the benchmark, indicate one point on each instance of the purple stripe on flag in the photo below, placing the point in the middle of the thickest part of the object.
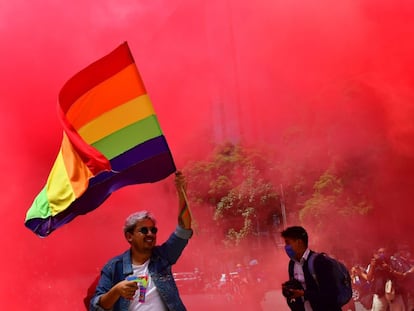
(138, 154)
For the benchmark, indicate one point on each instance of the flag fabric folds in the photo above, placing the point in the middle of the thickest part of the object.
(111, 139)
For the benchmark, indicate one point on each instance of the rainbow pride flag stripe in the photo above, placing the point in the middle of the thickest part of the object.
(111, 139)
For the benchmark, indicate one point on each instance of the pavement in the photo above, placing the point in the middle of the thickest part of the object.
(273, 301)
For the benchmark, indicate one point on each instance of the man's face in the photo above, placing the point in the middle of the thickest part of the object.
(296, 246)
(381, 253)
(142, 239)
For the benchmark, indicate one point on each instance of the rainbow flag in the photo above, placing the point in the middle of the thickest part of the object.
(111, 139)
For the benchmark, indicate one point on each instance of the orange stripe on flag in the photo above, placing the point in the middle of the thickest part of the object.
(115, 91)
(77, 172)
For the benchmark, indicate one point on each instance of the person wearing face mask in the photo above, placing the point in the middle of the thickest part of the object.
(304, 291)
(141, 279)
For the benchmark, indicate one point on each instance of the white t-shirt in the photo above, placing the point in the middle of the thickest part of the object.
(146, 297)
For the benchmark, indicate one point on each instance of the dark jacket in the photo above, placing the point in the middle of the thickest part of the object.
(320, 289)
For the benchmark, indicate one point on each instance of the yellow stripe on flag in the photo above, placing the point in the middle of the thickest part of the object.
(135, 110)
(68, 178)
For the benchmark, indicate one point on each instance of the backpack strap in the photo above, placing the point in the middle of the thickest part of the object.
(311, 265)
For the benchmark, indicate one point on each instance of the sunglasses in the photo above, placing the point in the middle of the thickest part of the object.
(146, 230)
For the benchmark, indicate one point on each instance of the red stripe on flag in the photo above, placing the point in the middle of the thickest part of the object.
(78, 85)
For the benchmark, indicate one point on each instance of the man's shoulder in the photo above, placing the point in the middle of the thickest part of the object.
(119, 258)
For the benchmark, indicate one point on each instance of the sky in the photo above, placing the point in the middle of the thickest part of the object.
(339, 72)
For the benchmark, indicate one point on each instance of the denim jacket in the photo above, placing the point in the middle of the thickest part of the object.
(162, 258)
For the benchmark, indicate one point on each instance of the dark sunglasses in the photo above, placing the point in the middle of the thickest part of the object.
(146, 230)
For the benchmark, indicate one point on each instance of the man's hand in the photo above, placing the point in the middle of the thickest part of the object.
(296, 293)
(127, 289)
(124, 289)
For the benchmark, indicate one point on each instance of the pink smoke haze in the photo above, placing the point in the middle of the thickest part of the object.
(341, 73)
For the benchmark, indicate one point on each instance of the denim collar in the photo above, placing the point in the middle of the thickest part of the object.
(127, 262)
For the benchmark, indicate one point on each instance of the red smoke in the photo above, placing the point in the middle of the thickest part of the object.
(244, 70)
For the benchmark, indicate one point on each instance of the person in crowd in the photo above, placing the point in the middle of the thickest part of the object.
(303, 291)
(361, 287)
(403, 263)
(384, 281)
(141, 277)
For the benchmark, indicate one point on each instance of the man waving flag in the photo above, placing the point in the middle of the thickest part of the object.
(111, 139)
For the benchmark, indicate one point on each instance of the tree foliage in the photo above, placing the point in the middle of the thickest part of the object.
(239, 190)
(232, 183)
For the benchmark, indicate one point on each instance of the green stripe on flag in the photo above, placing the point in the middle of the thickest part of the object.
(127, 138)
(40, 207)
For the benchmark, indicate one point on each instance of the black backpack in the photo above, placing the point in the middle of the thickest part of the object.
(343, 281)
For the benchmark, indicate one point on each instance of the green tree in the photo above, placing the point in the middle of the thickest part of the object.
(232, 185)
(334, 206)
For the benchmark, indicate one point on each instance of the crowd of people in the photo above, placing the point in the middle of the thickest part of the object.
(141, 278)
(387, 281)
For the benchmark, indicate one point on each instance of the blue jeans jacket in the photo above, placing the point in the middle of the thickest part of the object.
(162, 258)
